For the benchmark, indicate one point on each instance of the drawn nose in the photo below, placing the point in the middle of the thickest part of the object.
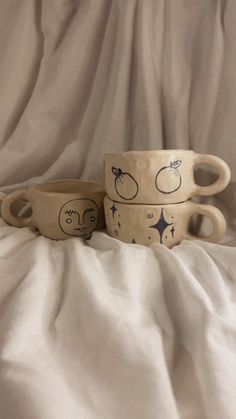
(79, 219)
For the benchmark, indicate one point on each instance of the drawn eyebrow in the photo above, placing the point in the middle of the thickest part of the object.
(88, 210)
(70, 212)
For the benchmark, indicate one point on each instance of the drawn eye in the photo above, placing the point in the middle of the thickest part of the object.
(70, 212)
(92, 219)
(88, 211)
(68, 220)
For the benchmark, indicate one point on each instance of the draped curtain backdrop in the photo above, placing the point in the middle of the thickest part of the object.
(82, 77)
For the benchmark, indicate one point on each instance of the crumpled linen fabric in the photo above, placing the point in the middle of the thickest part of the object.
(102, 329)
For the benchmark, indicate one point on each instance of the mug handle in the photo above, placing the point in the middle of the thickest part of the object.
(6, 211)
(223, 170)
(216, 217)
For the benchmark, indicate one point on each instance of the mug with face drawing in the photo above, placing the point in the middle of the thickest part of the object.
(60, 209)
(159, 176)
(166, 224)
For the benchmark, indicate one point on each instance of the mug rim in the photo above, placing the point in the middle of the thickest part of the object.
(144, 205)
(44, 187)
(141, 152)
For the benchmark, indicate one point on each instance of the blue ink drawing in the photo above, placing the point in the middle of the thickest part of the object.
(172, 231)
(161, 225)
(125, 185)
(168, 179)
(114, 209)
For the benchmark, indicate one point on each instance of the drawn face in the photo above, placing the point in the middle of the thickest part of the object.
(79, 217)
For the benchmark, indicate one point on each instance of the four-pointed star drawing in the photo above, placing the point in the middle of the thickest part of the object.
(114, 209)
(161, 225)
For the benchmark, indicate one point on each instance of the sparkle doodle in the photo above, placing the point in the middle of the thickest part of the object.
(161, 225)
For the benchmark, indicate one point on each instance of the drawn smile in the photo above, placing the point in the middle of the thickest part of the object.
(80, 228)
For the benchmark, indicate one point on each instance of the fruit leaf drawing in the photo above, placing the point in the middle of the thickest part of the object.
(116, 172)
(176, 164)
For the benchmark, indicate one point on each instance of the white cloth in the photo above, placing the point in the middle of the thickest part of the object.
(104, 329)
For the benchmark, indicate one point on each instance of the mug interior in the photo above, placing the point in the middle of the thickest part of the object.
(69, 186)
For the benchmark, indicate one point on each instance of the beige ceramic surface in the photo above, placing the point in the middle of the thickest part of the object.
(166, 224)
(159, 176)
(60, 209)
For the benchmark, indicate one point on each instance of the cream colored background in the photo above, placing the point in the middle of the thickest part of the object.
(103, 330)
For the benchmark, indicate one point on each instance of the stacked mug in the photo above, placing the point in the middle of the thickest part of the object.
(147, 201)
(149, 195)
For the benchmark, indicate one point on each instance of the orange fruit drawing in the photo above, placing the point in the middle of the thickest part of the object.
(168, 179)
(125, 185)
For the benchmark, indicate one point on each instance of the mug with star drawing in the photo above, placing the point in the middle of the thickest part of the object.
(166, 224)
(60, 209)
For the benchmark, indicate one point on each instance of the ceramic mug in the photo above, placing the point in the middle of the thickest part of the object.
(60, 209)
(159, 177)
(166, 224)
